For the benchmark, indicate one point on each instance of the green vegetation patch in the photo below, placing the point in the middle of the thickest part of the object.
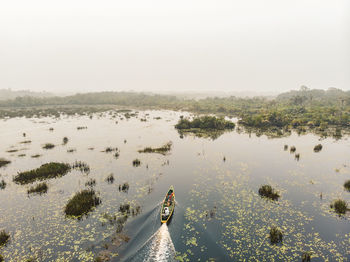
(339, 206)
(276, 235)
(205, 122)
(38, 189)
(268, 192)
(48, 146)
(318, 148)
(82, 203)
(4, 162)
(2, 184)
(161, 150)
(347, 185)
(4, 237)
(45, 171)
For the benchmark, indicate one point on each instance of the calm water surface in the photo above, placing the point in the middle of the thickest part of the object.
(219, 215)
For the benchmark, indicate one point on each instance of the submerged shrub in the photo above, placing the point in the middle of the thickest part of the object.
(297, 156)
(124, 208)
(110, 179)
(347, 185)
(45, 171)
(339, 206)
(269, 192)
(4, 237)
(82, 203)
(65, 140)
(124, 187)
(285, 147)
(318, 148)
(161, 150)
(276, 235)
(91, 182)
(306, 257)
(205, 122)
(81, 166)
(36, 156)
(39, 189)
(48, 146)
(136, 162)
(292, 149)
(2, 184)
(4, 162)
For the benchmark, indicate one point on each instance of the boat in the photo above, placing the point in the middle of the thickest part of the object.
(168, 206)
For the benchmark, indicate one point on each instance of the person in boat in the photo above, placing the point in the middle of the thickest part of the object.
(166, 211)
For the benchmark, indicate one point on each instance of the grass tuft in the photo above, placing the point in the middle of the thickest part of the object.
(339, 206)
(276, 235)
(4, 237)
(38, 189)
(268, 192)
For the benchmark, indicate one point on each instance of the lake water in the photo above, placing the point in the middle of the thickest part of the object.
(219, 215)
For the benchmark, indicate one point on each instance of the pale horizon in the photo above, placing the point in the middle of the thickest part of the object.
(187, 46)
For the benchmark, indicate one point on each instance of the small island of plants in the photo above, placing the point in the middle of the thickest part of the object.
(161, 150)
(45, 171)
(82, 203)
(268, 192)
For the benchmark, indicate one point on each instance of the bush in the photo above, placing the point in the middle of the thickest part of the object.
(4, 162)
(4, 237)
(39, 189)
(205, 122)
(276, 235)
(347, 185)
(45, 171)
(292, 149)
(82, 203)
(318, 148)
(161, 150)
(339, 206)
(48, 146)
(65, 140)
(2, 184)
(269, 192)
(136, 162)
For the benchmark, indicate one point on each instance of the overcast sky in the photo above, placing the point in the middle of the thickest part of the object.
(183, 45)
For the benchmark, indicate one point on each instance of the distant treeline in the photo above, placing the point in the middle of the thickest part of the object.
(302, 108)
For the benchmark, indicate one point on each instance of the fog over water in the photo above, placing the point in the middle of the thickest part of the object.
(75, 46)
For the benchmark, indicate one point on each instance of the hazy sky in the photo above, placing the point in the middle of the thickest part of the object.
(263, 45)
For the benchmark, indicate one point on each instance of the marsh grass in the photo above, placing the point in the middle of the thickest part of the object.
(25, 142)
(161, 150)
(111, 149)
(124, 187)
(276, 235)
(268, 192)
(110, 179)
(81, 166)
(38, 189)
(12, 150)
(71, 150)
(339, 206)
(4, 237)
(65, 140)
(2, 184)
(124, 208)
(292, 149)
(4, 162)
(81, 127)
(318, 148)
(136, 162)
(82, 203)
(347, 185)
(36, 156)
(297, 156)
(21, 155)
(91, 182)
(48, 146)
(306, 257)
(45, 171)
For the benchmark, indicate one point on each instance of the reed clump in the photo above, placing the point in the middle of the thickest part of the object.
(124, 187)
(82, 203)
(2, 184)
(318, 148)
(91, 182)
(38, 189)
(65, 140)
(136, 162)
(292, 149)
(339, 206)
(81, 166)
(48, 146)
(268, 192)
(4, 162)
(4, 237)
(276, 235)
(110, 179)
(161, 150)
(347, 185)
(45, 171)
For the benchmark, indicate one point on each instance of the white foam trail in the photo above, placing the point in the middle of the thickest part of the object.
(162, 247)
